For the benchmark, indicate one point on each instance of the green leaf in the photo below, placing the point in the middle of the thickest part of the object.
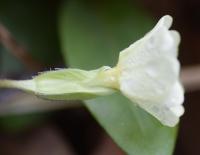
(17, 123)
(92, 34)
(33, 25)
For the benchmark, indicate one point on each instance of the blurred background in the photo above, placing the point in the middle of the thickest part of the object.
(29, 43)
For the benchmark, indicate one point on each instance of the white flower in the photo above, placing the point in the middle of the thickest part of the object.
(149, 73)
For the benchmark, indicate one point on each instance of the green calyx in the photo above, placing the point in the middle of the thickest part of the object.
(67, 84)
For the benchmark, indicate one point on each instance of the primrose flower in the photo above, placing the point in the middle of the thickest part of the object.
(148, 73)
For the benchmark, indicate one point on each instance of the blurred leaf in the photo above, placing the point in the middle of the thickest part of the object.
(8, 63)
(33, 24)
(92, 34)
(16, 123)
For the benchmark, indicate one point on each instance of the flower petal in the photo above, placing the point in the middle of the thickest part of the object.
(149, 73)
(170, 108)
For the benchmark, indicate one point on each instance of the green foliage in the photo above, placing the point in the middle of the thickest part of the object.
(17, 123)
(33, 24)
(92, 34)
